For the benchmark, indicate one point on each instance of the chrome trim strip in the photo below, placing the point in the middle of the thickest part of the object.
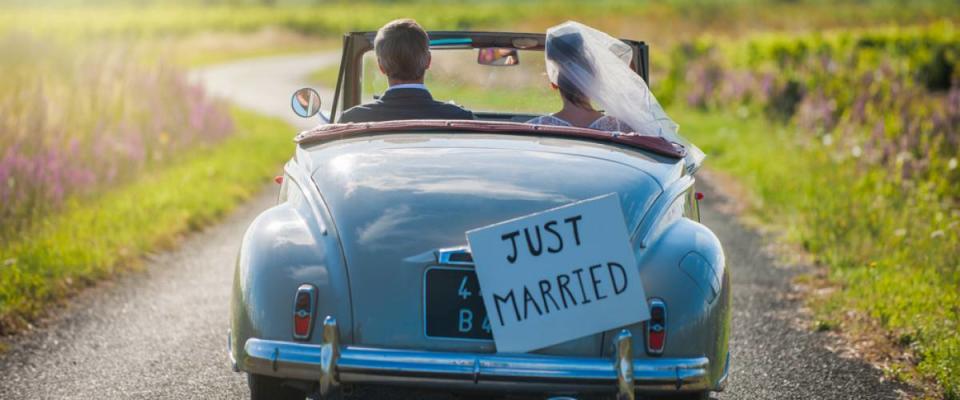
(445, 256)
(332, 364)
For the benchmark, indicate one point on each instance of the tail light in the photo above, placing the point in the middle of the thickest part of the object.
(657, 327)
(303, 310)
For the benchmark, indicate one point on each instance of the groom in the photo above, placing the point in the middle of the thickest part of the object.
(403, 54)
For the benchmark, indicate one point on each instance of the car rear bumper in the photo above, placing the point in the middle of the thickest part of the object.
(331, 365)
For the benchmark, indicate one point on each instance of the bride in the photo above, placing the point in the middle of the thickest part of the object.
(590, 67)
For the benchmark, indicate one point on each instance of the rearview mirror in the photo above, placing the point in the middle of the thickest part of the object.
(498, 56)
(305, 102)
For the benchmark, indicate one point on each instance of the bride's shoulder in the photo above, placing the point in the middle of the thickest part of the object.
(548, 120)
(610, 123)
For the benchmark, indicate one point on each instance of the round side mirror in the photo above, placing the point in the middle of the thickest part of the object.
(305, 102)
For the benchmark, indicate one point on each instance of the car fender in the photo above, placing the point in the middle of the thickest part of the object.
(682, 266)
(290, 244)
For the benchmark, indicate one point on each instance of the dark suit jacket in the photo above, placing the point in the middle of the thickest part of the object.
(407, 103)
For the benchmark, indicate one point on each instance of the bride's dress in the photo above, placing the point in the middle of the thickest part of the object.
(605, 123)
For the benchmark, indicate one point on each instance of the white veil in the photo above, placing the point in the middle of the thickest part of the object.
(598, 66)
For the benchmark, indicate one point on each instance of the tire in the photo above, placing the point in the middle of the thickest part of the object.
(686, 396)
(264, 387)
(695, 396)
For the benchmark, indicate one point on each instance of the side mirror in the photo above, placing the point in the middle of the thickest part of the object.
(498, 56)
(305, 102)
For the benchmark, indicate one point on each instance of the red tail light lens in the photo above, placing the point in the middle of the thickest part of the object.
(657, 327)
(303, 310)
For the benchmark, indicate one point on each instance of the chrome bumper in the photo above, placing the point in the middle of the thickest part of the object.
(331, 364)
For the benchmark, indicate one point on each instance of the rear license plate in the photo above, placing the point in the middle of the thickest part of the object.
(453, 305)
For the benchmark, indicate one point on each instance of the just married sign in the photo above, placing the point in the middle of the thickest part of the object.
(558, 275)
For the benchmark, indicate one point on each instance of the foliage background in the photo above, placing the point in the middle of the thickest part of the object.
(874, 138)
(855, 104)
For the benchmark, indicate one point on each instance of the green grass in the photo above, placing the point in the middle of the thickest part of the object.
(103, 236)
(865, 177)
(330, 19)
(888, 244)
(660, 23)
(325, 76)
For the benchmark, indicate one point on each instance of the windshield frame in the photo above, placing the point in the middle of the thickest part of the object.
(349, 88)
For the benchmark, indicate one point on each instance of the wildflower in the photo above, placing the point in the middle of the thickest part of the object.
(936, 234)
(900, 232)
(902, 157)
(856, 151)
(952, 164)
(827, 139)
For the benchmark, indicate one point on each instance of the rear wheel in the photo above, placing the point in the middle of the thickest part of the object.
(267, 387)
(695, 396)
(684, 396)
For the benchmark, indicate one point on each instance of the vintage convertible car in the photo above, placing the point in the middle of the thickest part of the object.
(355, 278)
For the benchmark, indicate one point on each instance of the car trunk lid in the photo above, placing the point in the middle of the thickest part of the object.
(397, 201)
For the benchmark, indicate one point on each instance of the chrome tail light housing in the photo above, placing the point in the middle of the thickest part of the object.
(656, 328)
(304, 307)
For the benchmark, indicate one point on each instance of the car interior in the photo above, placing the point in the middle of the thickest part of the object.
(499, 76)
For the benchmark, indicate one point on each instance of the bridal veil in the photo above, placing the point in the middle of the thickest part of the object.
(598, 65)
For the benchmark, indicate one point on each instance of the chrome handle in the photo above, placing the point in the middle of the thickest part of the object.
(455, 256)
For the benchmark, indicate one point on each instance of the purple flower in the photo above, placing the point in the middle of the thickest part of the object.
(58, 147)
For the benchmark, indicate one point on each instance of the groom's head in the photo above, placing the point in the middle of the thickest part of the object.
(403, 51)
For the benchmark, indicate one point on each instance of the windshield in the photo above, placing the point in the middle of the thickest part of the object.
(455, 75)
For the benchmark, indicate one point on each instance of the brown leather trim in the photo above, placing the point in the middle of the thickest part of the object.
(329, 132)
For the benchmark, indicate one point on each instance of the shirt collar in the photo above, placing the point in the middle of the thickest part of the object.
(408, 86)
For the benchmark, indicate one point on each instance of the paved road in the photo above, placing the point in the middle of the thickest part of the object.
(265, 84)
(159, 334)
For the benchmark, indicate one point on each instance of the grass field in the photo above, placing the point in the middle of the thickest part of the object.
(866, 140)
(660, 23)
(81, 118)
(89, 240)
(886, 260)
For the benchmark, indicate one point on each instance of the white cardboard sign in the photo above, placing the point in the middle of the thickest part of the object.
(558, 275)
